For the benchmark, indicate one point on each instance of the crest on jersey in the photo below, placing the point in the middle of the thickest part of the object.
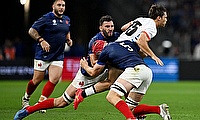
(54, 22)
(67, 22)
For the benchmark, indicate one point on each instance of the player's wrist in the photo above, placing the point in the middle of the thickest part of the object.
(40, 39)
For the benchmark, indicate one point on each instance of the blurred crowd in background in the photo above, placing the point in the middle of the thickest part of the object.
(180, 38)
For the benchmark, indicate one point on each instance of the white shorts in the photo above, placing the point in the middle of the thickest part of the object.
(140, 76)
(43, 65)
(81, 81)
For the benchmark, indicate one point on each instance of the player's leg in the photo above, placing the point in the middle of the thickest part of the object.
(50, 103)
(131, 78)
(55, 72)
(136, 95)
(38, 76)
(113, 74)
(117, 90)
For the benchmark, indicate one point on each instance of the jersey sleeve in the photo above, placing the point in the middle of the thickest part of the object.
(37, 25)
(150, 29)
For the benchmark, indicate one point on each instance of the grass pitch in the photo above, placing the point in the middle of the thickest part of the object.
(182, 97)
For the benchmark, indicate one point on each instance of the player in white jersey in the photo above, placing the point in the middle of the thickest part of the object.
(142, 30)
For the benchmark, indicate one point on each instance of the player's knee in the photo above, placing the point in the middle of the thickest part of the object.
(119, 89)
(108, 97)
(67, 99)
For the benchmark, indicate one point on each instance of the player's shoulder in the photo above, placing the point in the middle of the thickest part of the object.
(49, 14)
(144, 19)
(66, 17)
(98, 36)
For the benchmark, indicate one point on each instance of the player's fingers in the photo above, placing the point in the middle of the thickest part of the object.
(160, 63)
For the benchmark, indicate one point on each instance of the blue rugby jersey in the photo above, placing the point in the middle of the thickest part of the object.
(54, 31)
(121, 55)
(98, 36)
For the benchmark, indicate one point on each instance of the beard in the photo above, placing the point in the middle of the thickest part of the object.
(106, 34)
(57, 13)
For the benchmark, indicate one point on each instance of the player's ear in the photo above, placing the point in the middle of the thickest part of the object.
(100, 28)
(159, 18)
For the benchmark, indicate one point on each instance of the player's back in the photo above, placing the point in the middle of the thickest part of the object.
(122, 54)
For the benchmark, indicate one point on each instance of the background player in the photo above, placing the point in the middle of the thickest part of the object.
(51, 31)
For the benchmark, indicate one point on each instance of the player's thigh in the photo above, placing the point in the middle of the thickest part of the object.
(81, 81)
(113, 73)
(55, 73)
(38, 76)
(71, 90)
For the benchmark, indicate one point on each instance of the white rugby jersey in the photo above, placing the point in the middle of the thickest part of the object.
(139, 25)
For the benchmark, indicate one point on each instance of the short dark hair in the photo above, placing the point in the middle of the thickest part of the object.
(57, 1)
(156, 10)
(105, 18)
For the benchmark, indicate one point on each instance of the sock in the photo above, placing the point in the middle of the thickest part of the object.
(30, 88)
(146, 109)
(124, 109)
(47, 104)
(27, 96)
(48, 89)
(88, 91)
(131, 103)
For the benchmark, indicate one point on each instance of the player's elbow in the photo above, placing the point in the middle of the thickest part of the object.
(93, 74)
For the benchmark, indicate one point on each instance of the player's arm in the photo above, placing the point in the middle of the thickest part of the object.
(92, 71)
(93, 59)
(142, 54)
(143, 44)
(124, 27)
(35, 35)
(68, 39)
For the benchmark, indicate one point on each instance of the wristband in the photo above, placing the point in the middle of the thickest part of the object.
(41, 40)
(38, 39)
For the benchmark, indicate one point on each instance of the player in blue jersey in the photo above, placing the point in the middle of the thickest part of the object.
(51, 32)
(137, 77)
(82, 78)
(106, 27)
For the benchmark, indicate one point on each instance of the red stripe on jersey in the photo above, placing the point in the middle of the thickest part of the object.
(147, 35)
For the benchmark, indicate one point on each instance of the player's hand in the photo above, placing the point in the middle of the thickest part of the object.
(45, 46)
(157, 60)
(83, 62)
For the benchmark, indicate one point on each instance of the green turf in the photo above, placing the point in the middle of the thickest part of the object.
(182, 97)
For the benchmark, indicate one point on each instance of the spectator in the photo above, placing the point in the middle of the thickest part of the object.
(9, 50)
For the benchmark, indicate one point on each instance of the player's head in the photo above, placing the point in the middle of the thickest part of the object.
(58, 7)
(106, 26)
(98, 46)
(159, 14)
